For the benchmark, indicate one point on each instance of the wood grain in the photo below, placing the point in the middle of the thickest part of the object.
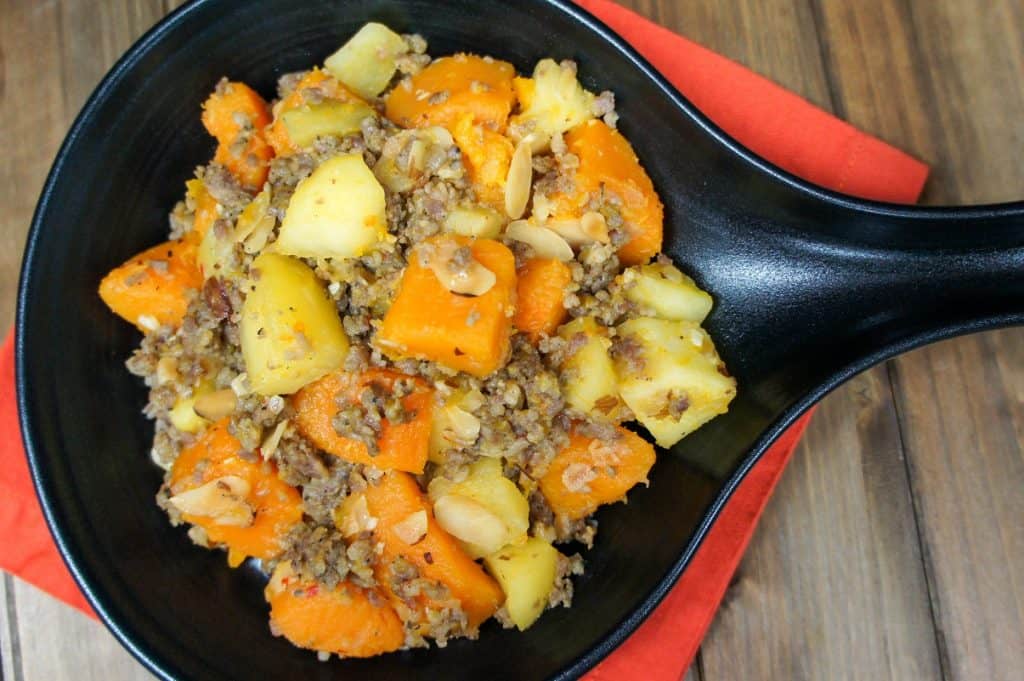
(31, 134)
(968, 473)
(59, 643)
(893, 548)
(833, 586)
(949, 89)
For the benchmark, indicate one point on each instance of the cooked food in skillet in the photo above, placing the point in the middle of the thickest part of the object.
(395, 334)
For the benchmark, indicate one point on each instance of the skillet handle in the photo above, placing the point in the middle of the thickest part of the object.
(949, 269)
(842, 285)
(915, 275)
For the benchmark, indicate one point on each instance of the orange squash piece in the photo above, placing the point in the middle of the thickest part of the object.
(486, 155)
(221, 113)
(402, 446)
(277, 506)
(330, 87)
(588, 472)
(450, 87)
(154, 285)
(467, 333)
(525, 88)
(347, 620)
(606, 160)
(437, 556)
(540, 290)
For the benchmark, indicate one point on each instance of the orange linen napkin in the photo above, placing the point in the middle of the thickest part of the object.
(771, 121)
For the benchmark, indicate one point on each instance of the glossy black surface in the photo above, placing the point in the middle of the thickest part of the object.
(811, 287)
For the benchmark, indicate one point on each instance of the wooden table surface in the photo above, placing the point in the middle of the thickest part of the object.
(894, 547)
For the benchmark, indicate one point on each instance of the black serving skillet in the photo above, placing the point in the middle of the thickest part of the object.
(811, 287)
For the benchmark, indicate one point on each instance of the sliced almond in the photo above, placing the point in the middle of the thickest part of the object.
(472, 400)
(412, 528)
(470, 521)
(251, 216)
(590, 228)
(545, 243)
(464, 427)
(216, 405)
(519, 179)
(604, 453)
(354, 516)
(577, 476)
(471, 279)
(240, 384)
(222, 500)
(407, 155)
(257, 240)
(594, 226)
(270, 444)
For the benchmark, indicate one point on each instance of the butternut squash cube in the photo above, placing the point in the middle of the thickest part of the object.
(591, 472)
(466, 333)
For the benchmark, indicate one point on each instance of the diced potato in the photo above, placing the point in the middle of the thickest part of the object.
(497, 498)
(406, 158)
(291, 332)
(254, 226)
(672, 378)
(214, 252)
(338, 211)
(526, 573)
(183, 416)
(588, 377)
(329, 117)
(367, 62)
(553, 101)
(664, 292)
(474, 221)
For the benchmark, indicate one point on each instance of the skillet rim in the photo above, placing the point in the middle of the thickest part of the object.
(50, 502)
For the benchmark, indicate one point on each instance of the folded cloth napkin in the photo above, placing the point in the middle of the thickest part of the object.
(771, 121)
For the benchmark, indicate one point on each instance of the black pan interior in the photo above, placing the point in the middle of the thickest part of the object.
(807, 291)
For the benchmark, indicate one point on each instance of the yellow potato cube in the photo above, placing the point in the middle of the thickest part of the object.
(291, 332)
(588, 377)
(367, 62)
(553, 101)
(527, 574)
(664, 292)
(338, 211)
(330, 117)
(490, 494)
(671, 377)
